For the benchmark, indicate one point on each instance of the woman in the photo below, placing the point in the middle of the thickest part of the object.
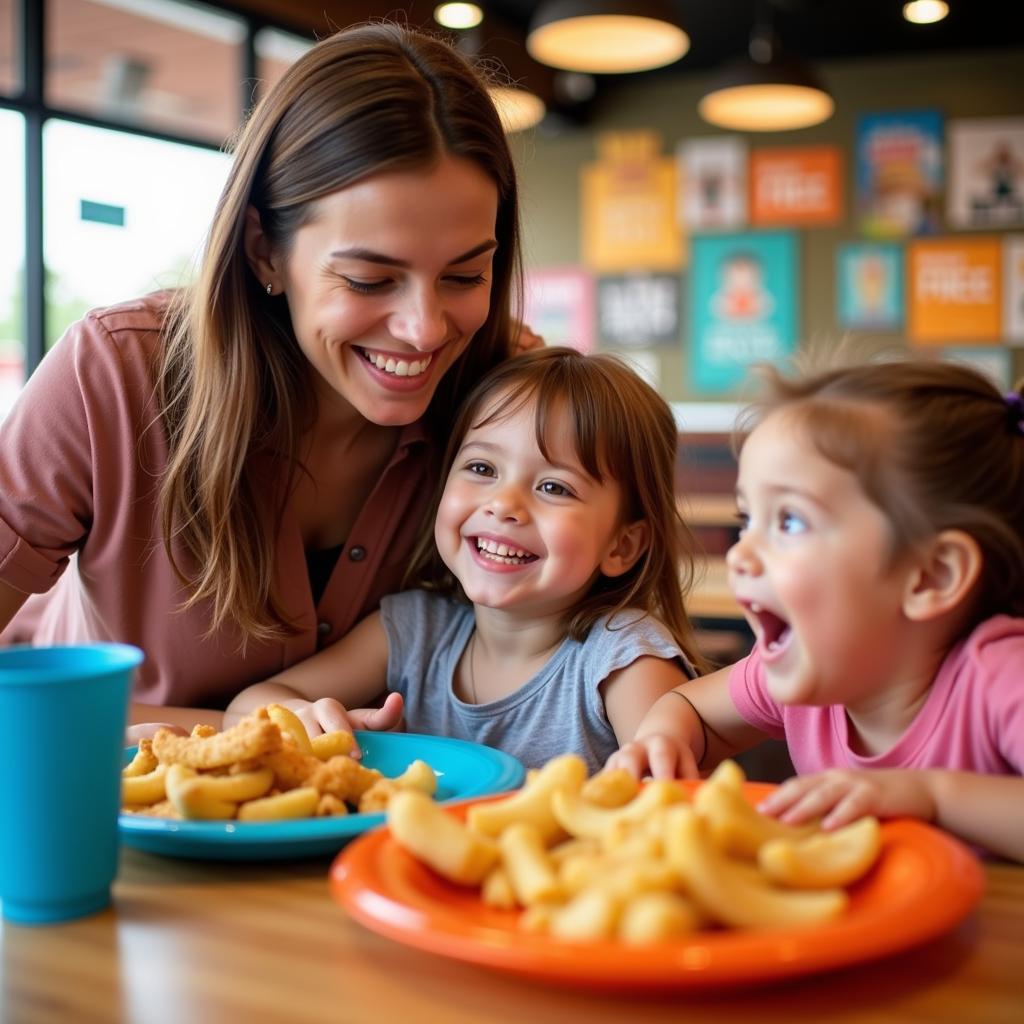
(232, 476)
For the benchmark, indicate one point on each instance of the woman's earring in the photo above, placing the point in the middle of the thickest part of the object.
(270, 287)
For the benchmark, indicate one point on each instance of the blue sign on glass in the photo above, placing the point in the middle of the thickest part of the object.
(742, 306)
(102, 213)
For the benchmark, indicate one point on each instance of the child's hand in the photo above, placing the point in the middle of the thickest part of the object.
(839, 797)
(330, 715)
(660, 755)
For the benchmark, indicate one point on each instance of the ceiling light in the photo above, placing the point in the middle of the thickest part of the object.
(925, 12)
(458, 15)
(606, 36)
(518, 109)
(765, 92)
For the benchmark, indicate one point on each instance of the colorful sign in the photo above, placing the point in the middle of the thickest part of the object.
(796, 186)
(870, 285)
(1013, 288)
(638, 310)
(629, 206)
(954, 290)
(899, 173)
(986, 172)
(713, 183)
(559, 306)
(742, 304)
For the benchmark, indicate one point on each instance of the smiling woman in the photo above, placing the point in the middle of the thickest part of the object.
(287, 408)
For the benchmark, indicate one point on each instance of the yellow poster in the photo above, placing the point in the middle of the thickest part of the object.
(629, 219)
(955, 290)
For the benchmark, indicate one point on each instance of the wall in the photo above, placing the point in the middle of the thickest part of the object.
(982, 84)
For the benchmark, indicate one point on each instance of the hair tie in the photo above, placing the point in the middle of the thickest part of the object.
(1015, 411)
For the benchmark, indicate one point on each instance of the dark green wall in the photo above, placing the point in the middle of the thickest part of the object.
(981, 84)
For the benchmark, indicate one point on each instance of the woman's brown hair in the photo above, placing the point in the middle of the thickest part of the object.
(934, 445)
(232, 385)
(622, 429)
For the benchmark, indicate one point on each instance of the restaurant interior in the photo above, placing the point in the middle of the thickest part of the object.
(667, 217)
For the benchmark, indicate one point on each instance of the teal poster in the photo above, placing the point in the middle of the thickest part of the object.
(742, 306)
(870, 285)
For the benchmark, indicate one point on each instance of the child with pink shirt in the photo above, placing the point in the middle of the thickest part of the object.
(880, 565)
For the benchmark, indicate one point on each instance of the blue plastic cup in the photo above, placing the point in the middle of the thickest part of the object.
(63, 712)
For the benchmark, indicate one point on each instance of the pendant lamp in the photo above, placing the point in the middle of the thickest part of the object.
(606, 36)
(765, 92)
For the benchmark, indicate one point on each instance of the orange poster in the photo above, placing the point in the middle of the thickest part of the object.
(794, 186)
(954, 290)
(629, 206)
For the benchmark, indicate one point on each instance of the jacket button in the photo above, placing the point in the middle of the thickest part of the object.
(323, 628)
(357, 553)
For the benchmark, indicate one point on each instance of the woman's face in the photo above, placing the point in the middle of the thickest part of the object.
(388, 284)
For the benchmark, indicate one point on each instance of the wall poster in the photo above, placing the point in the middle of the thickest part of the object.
(796, 186)
(638, 310)
(899, 173)
(954, 290)
(713, 183)
(742, 306)
(629, 196)
(1013, 288)
(870, 285)
(559, 306)
(986, 172)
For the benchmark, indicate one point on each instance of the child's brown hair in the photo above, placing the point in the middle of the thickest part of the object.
(622, 428)
(934, 445)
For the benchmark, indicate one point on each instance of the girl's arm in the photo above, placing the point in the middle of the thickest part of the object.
(694, 724)
(982, 809)
(352, 671)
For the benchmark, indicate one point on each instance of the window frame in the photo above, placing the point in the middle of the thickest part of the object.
(30, 43)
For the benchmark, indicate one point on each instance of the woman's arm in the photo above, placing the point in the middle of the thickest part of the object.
(10, 601)
(982, 809)
(695, 724)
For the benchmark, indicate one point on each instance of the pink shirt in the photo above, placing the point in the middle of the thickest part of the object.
(972, 719)
(81, 458)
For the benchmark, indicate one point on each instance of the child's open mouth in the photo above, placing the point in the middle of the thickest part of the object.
(774, 632)
(502, 553)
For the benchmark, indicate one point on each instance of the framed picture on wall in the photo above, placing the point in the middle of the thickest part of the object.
(986, 172)
(559, 305)
(742, 306)
(1013, 288)
(899, 173)
(638, 311)
(713, 183)
(870, 285)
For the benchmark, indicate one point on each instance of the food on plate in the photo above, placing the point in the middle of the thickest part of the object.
(440, 840)
(584, 860)
(265, 768)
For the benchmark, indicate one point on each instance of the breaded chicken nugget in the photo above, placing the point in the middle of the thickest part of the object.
(253, 736)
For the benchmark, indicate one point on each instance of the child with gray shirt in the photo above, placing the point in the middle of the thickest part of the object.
(550, 615)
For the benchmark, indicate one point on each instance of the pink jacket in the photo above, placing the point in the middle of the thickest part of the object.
(81, 456)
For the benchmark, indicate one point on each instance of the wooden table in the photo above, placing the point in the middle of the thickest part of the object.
(199, 943)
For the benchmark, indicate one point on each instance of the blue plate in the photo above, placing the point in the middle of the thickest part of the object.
(463, 769)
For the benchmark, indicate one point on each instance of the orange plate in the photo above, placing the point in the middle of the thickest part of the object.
(923, 884)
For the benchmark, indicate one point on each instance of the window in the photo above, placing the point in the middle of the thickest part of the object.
(275, 52)
(124, 224)
(12, 257)
(10, 76)
(167, 65)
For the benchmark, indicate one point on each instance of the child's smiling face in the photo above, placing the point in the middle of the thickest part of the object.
(521, 532)
(813, 570)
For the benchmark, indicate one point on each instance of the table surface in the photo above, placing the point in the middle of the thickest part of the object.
(202, 941)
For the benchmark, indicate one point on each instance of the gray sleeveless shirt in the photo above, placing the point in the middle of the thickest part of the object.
(558, 711)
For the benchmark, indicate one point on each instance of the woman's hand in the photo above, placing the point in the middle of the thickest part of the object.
(661, 755)
(839, 797)
(525, 341)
